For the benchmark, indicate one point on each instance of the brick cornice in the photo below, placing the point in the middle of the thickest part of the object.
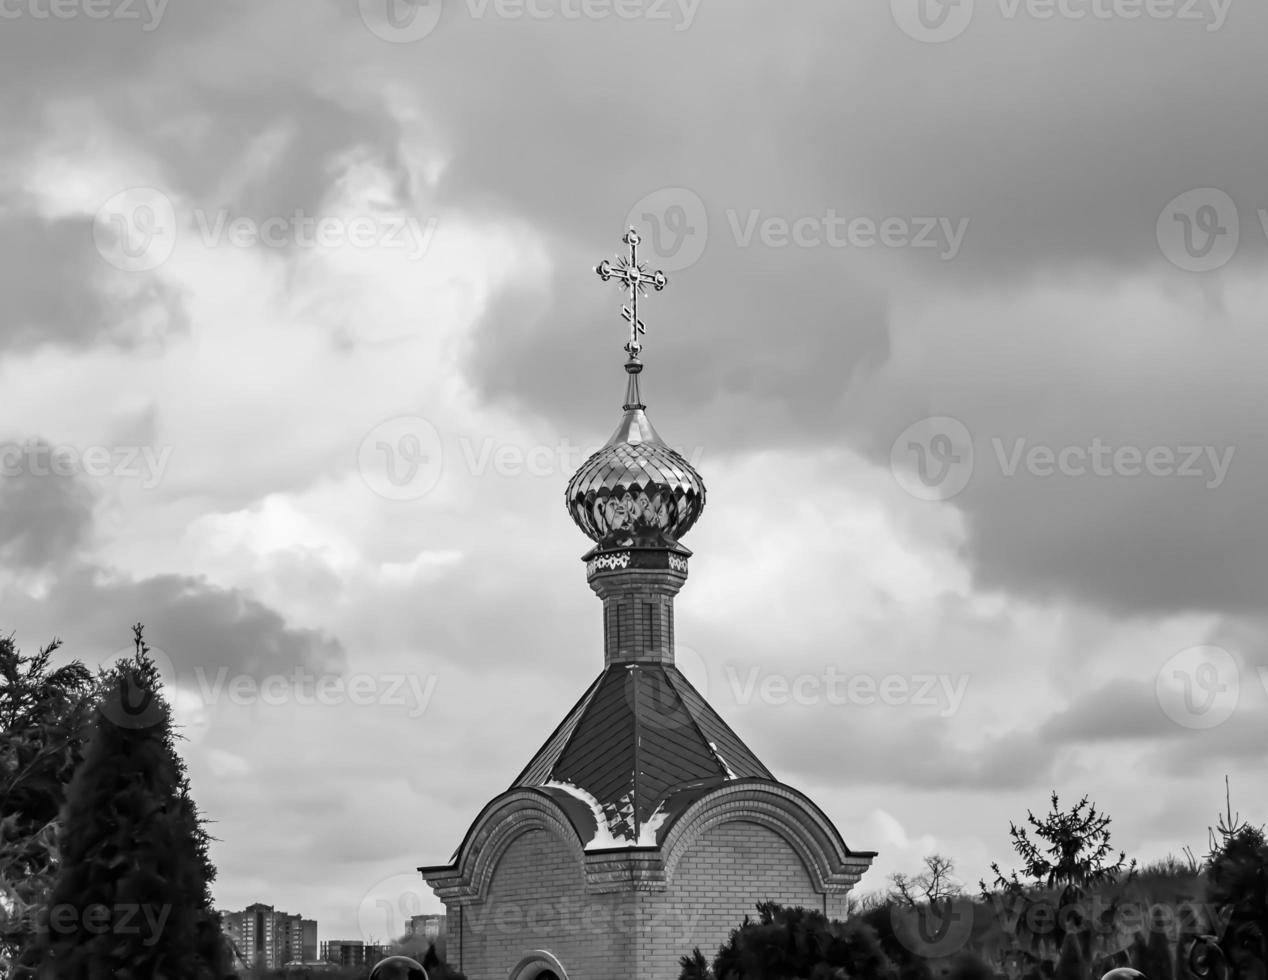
(791, 814)
(503, 820)
(833, 866)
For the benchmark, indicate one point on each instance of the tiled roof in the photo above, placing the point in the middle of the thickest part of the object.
(639, 735)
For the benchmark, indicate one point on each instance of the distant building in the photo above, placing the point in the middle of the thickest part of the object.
(268, 938)
(430, 927)
(353, 952)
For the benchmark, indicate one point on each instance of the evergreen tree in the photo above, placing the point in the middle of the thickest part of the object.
(44, 716)
(695, 966)
(131, 900)
(1071, 965)
(786, 943)
(1237, 884)
(1069, 853)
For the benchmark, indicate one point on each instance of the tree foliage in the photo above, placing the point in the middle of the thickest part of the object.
(1237, 884)
(131, 899)
(44, 713)
(1069, 853)
(787, 943)
(1070, 849)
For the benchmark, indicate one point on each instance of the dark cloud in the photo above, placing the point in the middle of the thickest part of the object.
(201, 627)
(834, 744)
(1121, 710)
(45, 518)
(59, 290)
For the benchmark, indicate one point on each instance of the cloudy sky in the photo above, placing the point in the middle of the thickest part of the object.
(301, 340)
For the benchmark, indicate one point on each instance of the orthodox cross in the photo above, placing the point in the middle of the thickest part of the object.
(634, 278)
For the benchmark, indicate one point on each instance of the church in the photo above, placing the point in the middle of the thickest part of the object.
(644, 826)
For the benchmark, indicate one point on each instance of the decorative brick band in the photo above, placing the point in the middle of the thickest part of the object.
(615, 559)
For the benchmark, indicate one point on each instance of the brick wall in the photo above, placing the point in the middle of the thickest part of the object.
(537, 900)
(718, 881)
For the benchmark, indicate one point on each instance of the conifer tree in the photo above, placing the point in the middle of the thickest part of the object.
(44, 713)
(132, 897)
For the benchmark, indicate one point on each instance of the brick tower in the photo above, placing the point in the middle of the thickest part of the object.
(644, 826)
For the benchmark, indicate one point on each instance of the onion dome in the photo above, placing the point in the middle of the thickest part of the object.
(635, 491)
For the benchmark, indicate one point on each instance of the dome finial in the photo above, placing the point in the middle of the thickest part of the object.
(634, 278)
(635, 491)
